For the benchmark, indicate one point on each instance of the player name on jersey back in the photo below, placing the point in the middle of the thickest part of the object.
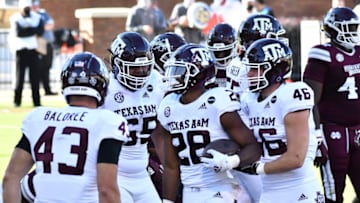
(61, 116)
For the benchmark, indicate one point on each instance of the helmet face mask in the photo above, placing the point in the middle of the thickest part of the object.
(85, 74)
(223, 53)
(257, 80)
(131, 60)
(133, 75)
(222, 42)
(189, 66)
(341, 26)
(268, 61)
(178, 74)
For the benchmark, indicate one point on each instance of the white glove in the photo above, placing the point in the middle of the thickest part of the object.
(167, 201)
(220, 162)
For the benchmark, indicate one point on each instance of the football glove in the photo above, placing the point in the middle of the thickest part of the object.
(255, 168)
(321, 155)
(220, 162)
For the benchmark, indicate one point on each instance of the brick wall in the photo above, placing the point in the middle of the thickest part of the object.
(63, 12)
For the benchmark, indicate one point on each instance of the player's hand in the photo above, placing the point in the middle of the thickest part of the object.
(220, 162)
(254, 168)
(321, 156)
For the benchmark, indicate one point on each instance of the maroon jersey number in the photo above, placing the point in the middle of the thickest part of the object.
(46, 156)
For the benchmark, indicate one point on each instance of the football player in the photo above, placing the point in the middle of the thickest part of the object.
(162, 46)
(134, 92)
(72, 153)
(254, 27)
(211, 115)
(281, 118)
(332, 71)
(222, 43)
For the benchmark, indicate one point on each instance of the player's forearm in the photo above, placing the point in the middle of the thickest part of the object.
(249, 154)
(287, 162)
(170, 183)
(11, 191)
(159, 145)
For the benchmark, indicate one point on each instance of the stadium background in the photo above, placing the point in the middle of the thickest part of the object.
(97, 26)
(289, 12)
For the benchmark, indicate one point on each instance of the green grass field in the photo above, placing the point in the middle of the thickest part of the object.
(10, 123)
(11, 118)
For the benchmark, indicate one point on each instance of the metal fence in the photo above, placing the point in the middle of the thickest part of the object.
(7, 65)
(6, 61)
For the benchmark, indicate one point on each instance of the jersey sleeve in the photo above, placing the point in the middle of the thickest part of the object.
(317, 63)
(115, 126)
(29, 121)
(295, 97)
(227, 101)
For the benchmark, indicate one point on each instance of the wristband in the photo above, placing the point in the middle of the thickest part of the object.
(260, 169)
(167, 201)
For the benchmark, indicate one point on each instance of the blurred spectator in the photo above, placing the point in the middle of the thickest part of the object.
(231, 11)
(338, 3)
(25, 27)
(180, 24)
(357, 7)
(46, 57)
(147, 19)
(261, 7)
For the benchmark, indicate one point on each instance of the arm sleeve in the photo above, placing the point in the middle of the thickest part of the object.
(109, 151)
(24, 144)
(40, 29)
(25, 32)
(317, 64)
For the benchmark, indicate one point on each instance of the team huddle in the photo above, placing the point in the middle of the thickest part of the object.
(136, 134)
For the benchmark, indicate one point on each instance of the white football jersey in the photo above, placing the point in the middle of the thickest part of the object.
(266, 119)
(64, 145)
(194, 125)
(236, 75)
(139, 109)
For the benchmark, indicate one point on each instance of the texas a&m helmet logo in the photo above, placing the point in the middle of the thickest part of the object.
(273, 52)
(262, 24)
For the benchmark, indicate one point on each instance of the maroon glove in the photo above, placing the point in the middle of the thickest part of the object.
(321, 155)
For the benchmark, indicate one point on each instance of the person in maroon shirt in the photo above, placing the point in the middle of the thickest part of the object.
(333, 71)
